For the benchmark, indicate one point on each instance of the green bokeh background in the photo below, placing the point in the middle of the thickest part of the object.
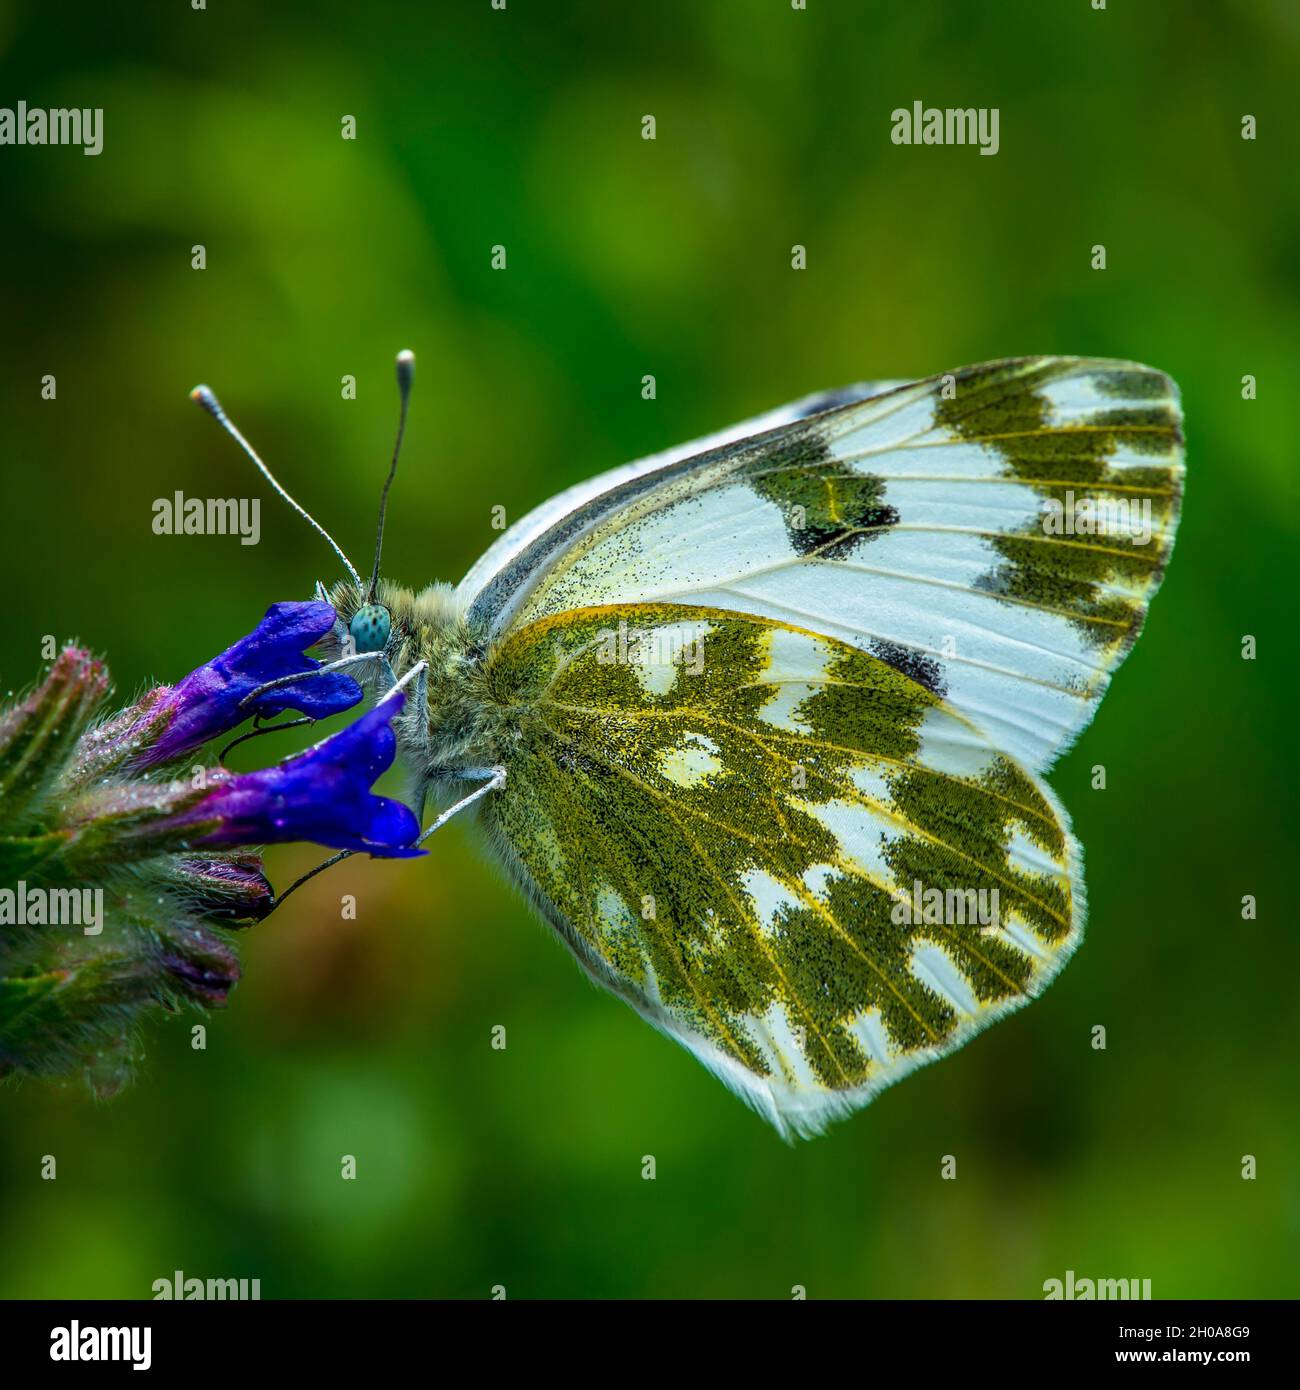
(523, 1168)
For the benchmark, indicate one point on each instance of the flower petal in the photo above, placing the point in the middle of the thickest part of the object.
(322, 794)
(210, 700)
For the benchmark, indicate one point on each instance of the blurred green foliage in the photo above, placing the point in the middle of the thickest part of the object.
(523, 1167)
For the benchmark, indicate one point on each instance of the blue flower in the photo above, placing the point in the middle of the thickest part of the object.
(210, 701)
(321, 795)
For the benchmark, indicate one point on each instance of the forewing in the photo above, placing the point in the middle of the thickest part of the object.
(996, 534)
(740, 826)
(495, 577)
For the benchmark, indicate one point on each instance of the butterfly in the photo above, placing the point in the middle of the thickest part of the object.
(759, 725)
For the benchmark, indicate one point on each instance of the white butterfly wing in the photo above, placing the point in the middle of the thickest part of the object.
(573, 500)
(908, 603)
(985, 531)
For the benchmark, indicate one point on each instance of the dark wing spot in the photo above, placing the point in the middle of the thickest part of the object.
(915, 665)
(829, 508)
(1132, 384)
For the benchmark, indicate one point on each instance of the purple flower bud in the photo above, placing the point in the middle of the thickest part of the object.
(38, 737)
(228, 888)
(322, 795)
(200, 966)
(210, 701)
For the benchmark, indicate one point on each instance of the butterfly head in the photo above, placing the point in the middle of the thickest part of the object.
(401, 624)
(378, 622)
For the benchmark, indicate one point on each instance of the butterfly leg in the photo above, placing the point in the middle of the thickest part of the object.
(386, 677)
(492, 777)
(415, 720)
(307, 675)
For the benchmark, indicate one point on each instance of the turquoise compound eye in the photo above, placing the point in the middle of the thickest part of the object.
(370, 626)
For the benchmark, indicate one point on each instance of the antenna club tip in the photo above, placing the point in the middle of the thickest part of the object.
(405, 369)
(202, 395)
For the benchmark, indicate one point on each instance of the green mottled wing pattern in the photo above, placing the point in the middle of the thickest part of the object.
(784, 851)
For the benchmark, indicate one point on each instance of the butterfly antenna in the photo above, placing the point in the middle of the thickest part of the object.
(405, 376)
(204, 397)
